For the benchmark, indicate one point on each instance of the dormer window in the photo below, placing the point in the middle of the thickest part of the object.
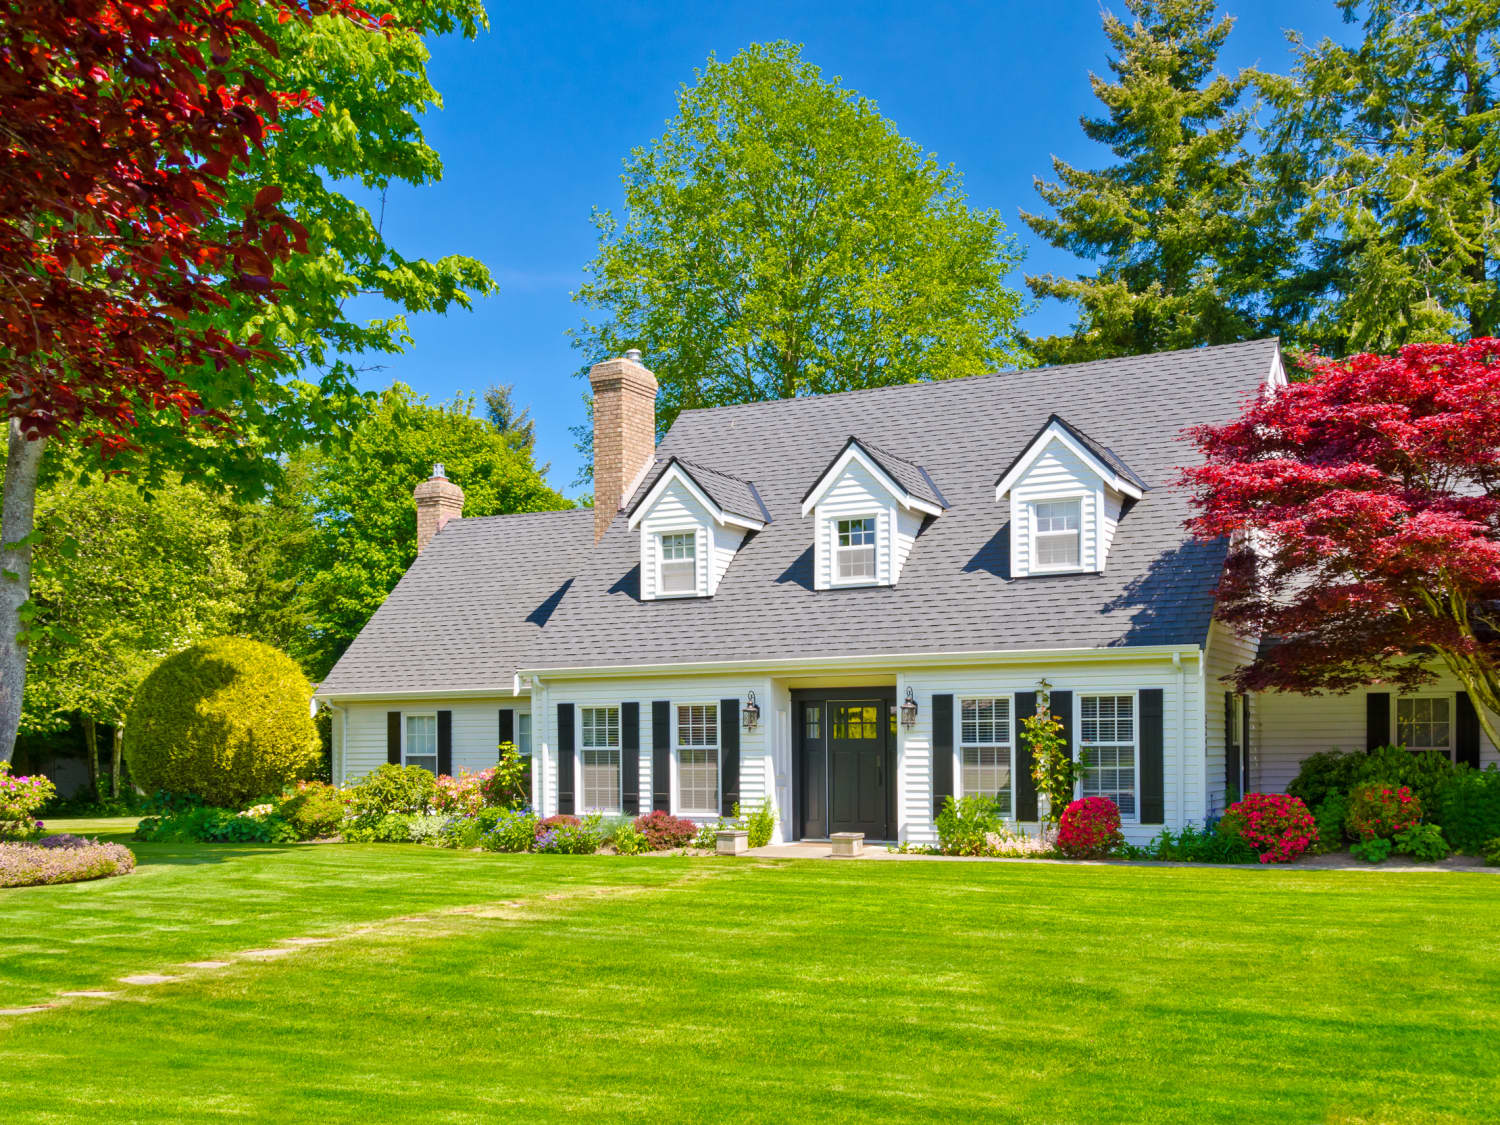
(678, 563)
(692, 520)
(1067, 496)
(854, 553)
(1058, 534)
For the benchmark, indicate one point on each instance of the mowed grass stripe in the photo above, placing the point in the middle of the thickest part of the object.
(826, 991)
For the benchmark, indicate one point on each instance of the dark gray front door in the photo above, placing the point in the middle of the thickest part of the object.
(858, 769)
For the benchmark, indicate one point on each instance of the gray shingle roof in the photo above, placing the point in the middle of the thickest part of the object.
(531, 591)
(905, 472)
(733, 495)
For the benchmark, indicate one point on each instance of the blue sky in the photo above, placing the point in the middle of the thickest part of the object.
(540, 112)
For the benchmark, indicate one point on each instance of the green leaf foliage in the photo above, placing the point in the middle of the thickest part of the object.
(1181, 259)
(782, 238)
(225, 720)
(1385, 153)
(360, 500)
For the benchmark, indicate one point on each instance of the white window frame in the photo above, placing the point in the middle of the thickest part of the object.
(662, 560)
(1009, 745)
(1133, 817)
(405, 739)
(1036, 566)
(678, 748)
(585, 748)
(1448, 697)
(834, 548)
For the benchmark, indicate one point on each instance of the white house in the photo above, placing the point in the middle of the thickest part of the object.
(843, 605)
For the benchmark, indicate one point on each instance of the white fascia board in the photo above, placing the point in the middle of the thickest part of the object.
(675, 472)
(1057, 433)
(860, 662)
(514, 688)
(855, 454)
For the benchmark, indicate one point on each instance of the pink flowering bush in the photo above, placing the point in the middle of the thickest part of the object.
(29, 865)
(463, 795)
(21, 798)
(1277, 826)
(1090, 829)
(1382, 811)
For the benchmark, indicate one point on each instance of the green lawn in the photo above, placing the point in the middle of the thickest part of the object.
(467, 987)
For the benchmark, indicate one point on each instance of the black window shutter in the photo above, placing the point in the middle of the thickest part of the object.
(393, 737)
(729, 755)
(942, 751)
(445, 743)
(565, 757)
(1244, 745)
(1466, 731)
(1152, 775)
(1023, 782)
(508, 725)
(661, 755)
(630, 758)
(1231, 754)
(1377, 719)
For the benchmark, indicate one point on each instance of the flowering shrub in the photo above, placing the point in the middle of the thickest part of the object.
(508, 784)
(461, 794)
(1276, 825)
(567, 835)
(1382, 810)
(21, 798)
(1007, 845)
(29, 865)
(1090, 829)
(64, 840)
(557, 820)
(509, 830)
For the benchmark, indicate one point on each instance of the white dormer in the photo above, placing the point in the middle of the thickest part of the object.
(1067, 494)
(867, 508)
(692, 520)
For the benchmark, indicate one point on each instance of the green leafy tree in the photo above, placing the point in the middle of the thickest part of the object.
(782, 239)
(1182, 258)
(361, 500)
(1386, 154)
(122, 578)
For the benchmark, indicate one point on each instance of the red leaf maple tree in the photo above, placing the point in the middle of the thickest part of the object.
(1363, 512)
(121, 124)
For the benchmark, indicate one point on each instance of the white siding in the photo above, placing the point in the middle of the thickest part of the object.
(476, 732)
(854, 494)
(1226, 652)
(676, 509)
(907, 526)
(1060, 474)
(726, 541)
(1182, 750)
(1287, 727)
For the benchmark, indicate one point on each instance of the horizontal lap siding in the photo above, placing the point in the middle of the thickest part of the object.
(1226, 652)
(1057, 474)
(1182, 764)
(676, 510)
(1287, 728)
(476, 731)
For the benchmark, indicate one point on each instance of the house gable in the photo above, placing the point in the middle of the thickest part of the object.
(683, 526)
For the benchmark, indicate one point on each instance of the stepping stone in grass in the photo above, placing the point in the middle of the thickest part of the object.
(263, 954)
(306, 940)
(147, 978)
(205, 964)
(24, 1011)
(95, 992)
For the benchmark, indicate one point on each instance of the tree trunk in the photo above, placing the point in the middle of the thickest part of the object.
(17, 517)
(114, 762)
(91, 743)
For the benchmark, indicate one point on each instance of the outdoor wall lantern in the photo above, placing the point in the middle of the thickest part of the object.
(909, 710)
(751, 713)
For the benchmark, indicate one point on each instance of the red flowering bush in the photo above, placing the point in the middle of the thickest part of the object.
(663, 830)
(560, 820)
(1382, 811)
(1090, 829)
(1277, 826)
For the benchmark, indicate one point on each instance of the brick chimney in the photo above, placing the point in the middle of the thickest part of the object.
(438, 501)
(624, 432)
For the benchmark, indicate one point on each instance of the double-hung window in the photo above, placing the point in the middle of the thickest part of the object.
(679, 563)
(1107, 744)
(600, 729)
(854, 550)
(1057, 536)
(421, 742)
(698, 758)
(1425, 723)
(984, 740)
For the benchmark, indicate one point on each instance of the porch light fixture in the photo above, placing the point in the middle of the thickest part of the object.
(751, 713)
(909, 710)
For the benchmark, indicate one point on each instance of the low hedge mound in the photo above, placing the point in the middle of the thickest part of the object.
(62, 859)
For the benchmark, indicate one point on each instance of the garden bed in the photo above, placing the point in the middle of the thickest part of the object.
(61, 859)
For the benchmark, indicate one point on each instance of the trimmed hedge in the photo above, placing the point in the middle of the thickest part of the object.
(62, 859)
(226, 720)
